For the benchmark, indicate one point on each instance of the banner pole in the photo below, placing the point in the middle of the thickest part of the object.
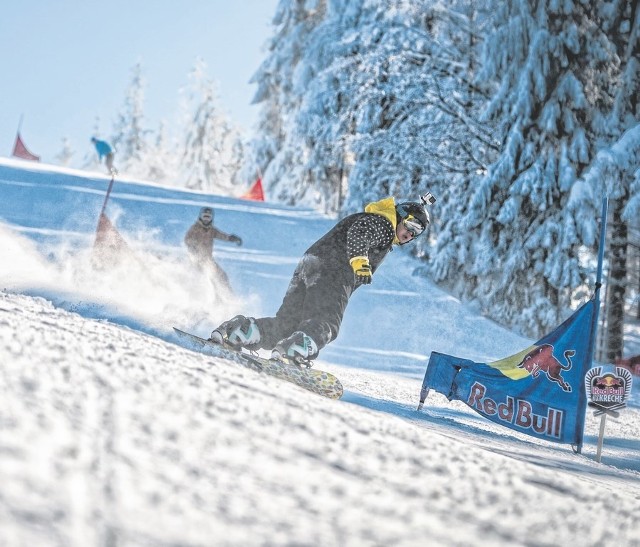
(106, 197)
(423, 396)
(601, 437)
(104, 204)
(582, 408)
(603, 235)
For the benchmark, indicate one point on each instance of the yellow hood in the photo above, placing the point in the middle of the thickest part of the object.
(387, 208)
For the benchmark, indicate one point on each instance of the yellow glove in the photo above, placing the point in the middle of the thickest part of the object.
(362, 269)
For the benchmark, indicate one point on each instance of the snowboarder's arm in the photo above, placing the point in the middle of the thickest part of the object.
(232, 238)
(368, 232)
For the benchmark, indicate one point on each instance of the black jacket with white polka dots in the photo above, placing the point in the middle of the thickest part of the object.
(361, 234)
(323, 281)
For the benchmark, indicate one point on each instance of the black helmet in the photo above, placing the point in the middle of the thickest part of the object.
(414, 217)
(206, 215)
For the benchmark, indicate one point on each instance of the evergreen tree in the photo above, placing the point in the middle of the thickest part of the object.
(377, 94)
(213, 149)
(616, 168)
(520, 241)
(161, 160)
(280, 80)
(66, 153)
(398, 98)
(129, 136)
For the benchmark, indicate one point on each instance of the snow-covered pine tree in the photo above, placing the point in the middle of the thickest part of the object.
(397, 99)
(378, 93)
(213, 149)
(616, 168)
(275, 152)
(129, 135)
(161, 159)
(320, 123)
(66, 153)
(519, 244)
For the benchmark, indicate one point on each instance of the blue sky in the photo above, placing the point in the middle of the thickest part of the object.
(65, 63)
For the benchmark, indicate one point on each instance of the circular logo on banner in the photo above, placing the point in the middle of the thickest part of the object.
(607, 390)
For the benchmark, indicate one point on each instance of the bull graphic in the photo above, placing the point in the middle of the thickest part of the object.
(608, 381)
(542, 359)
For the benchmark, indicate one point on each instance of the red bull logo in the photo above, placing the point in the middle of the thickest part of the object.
(608, 381)
(541, 359)
(518, 414)
(609, 389)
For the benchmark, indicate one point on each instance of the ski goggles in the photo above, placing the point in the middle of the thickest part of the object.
(413, 225)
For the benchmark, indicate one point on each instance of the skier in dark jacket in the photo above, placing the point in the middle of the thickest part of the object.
(326, 276)
(199, 242)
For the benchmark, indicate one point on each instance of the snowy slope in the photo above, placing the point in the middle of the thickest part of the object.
(113, 434)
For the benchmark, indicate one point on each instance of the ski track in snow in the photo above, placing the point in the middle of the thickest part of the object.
(113, 437)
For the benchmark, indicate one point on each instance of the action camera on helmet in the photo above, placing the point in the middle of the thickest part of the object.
(428, 199)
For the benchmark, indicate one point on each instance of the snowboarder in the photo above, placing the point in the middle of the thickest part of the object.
(326, 276)
(199, 242)
(104, 149)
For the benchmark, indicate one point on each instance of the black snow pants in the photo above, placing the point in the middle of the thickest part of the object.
(314, 303)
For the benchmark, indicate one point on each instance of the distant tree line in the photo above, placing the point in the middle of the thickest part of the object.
(203, 151)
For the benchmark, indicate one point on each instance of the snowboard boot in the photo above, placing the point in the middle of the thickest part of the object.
(299, 348)
(239, 332)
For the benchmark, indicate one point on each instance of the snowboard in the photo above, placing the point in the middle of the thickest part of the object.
(318, 381)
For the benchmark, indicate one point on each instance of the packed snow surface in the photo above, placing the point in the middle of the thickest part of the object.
(113, 434)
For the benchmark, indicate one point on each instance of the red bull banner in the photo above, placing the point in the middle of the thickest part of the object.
(538, 391)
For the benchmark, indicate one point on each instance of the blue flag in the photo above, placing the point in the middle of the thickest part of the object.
(538, 391)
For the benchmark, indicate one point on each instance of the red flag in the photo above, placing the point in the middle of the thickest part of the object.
(254, 193)
(20, 150)
(109, 248)
(108, 236)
